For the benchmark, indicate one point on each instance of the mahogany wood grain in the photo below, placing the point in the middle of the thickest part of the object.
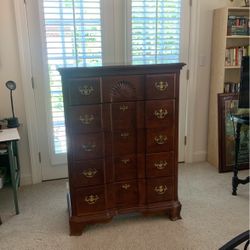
(122, 140)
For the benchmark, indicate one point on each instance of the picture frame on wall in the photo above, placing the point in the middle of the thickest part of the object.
(228, 104)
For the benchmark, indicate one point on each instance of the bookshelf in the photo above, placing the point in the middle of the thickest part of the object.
(230, 37)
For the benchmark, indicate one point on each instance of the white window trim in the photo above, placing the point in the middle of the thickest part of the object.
(128, 32)
(192, 82)
(59, 158)
(29, 99)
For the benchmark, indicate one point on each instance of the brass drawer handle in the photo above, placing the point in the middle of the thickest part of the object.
(161, 86)
(124, 107)
(124, 135)
(88, 147)
(86, 90)
(160, 164)
(125, 161)
(161, 189)
(89, 173)
(161, 113)
(86, 119)
(161, 139)
(91, 199)
(126, 186)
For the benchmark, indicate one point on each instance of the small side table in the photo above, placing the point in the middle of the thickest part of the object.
(239, 120)
(10, 137)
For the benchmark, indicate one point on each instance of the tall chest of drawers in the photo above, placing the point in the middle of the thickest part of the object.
(122, 139)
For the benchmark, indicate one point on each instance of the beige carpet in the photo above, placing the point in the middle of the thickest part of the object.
(211, 217)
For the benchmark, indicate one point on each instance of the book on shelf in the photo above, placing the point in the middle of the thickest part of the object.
(238, 25)
(234, 55)
(231, 87)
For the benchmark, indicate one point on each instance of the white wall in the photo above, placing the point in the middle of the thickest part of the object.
(203, 74)
(10, 70)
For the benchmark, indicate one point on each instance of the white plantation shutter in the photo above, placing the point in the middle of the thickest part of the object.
(72, 31)
(155, 31)
(73, 37)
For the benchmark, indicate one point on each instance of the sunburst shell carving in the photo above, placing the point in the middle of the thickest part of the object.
(123, 90)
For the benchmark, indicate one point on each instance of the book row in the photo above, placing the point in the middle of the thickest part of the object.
(234, 55)
(238, 25)
(231, 87)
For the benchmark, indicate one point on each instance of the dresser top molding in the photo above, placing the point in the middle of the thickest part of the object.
(120, 69)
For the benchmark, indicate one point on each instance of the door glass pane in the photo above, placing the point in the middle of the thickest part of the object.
(155, 28)
(72, 31)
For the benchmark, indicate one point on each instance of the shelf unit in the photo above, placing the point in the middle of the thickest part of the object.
(221, 73)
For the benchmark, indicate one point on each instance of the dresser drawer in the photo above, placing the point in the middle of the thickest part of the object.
(84, 91)
(89, 200)
(159, 140)
(88, 172)
(160, 86)
(123, 88)
(160, 164)
(159, 189)
(123, 115)
(125, 167)
(124, 142)
(159, 113)
(86, 118)
(88, 146)
(126, 193)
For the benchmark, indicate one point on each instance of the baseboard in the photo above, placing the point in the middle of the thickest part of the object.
(199, 156)
(26, 180)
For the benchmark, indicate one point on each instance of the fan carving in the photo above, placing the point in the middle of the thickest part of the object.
(123, 90)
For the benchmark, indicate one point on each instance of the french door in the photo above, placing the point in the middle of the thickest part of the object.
(115, 49)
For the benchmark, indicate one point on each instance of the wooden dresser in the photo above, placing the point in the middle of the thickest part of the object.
(122, 137)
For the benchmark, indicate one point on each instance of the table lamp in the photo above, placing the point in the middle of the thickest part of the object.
(12, 121)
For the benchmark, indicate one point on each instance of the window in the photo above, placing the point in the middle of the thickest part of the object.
(73, 38)
(155, 31)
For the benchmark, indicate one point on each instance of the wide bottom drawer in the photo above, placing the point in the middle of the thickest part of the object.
(125, 194)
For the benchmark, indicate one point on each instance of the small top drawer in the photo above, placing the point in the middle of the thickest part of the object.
(84, 91)
(123, 88)
(160, 86)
